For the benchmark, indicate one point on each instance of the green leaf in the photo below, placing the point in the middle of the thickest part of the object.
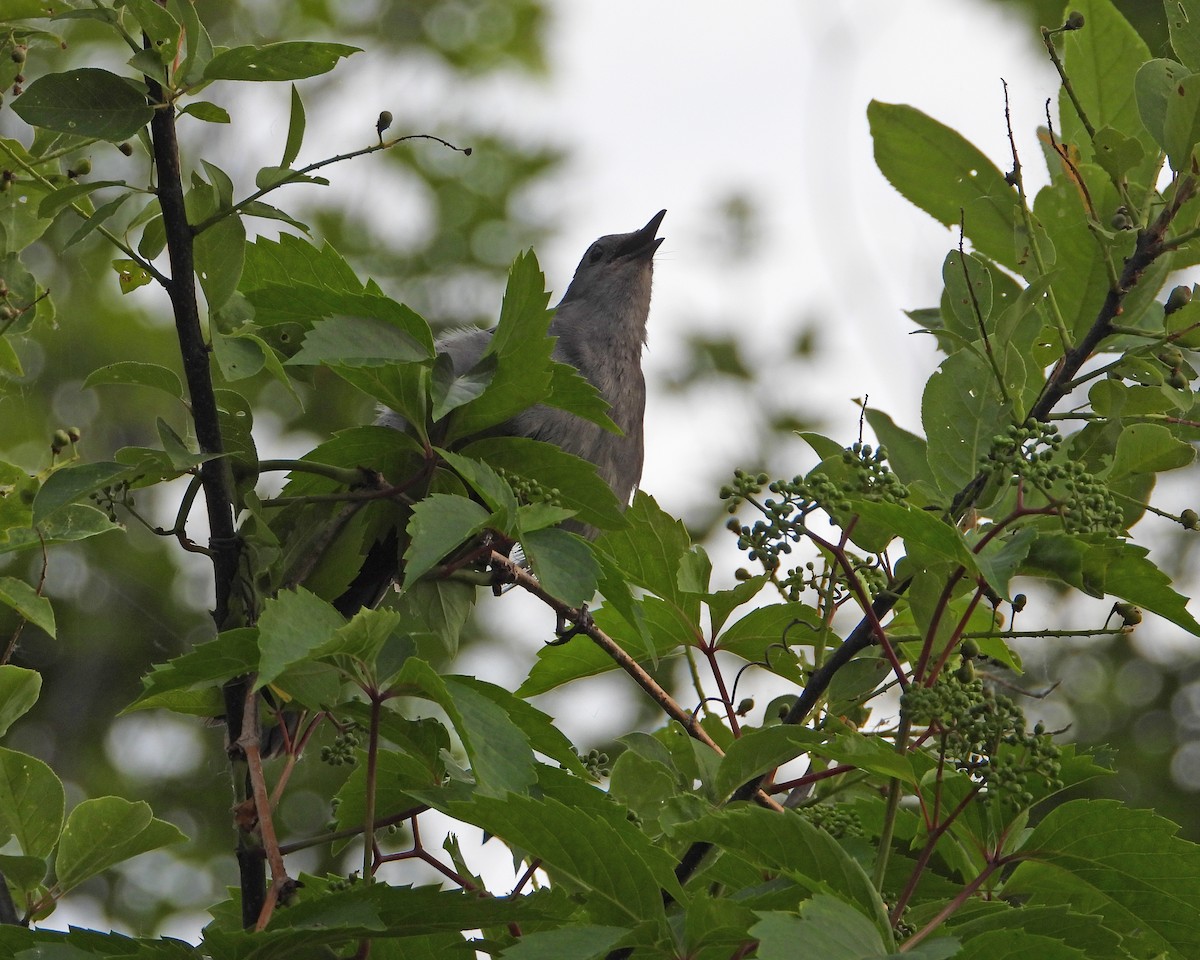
(500, 753)
(220, 256)
(208, 112)
(295, 134)
(292, 60)
(440, 524)
(28, 603)
(925, 534)
(789, 844)
(231, 654)
(20, 220)
(579, 941)
(833, 930)
(32, 802)
(485, 481)
(969, 292)
(1123, 865)
(130, 275)
(199, 47)
(761, 750)
(97, 219)
(1153, 89)
(1113, 567)
(618, 867)
(102, 832)
(907, 453)
(160, 28)
(63, 197)
(1003, 556)
(73, 522)
(1183, 22)
(19, 689)
(358, 342)
(1181, 125)
(961, 412)
(650, 549)
(521, 349)
(1149, 448)
(1102, 61)
(563, 563)
(292, 625)
(578, 486)
(87, 103)
(73, 483)
(571, 391)
(947, 177)
(1116, 153)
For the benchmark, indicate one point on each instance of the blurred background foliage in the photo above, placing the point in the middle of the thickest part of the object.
(437, 231)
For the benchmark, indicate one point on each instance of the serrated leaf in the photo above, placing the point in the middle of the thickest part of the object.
(358, 341)
(650, 549)
(1123, 865)
(292, 625)
(231, 654)
(102, 832)
(88, 102)
(789, 844)
(440, 523)
(290, 60)
(19, 690)
(28, 603)
(579, 488)
(501, 756)
(619, 868)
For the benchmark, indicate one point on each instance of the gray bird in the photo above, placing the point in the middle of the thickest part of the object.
(600, 324)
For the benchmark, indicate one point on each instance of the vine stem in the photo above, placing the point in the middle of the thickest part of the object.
(523, 579)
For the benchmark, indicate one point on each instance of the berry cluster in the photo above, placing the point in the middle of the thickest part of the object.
(596, 763)
(862, 474)
(1032, 453)
(528, 490)
(836, 819)
(342, 750)
(984, 734)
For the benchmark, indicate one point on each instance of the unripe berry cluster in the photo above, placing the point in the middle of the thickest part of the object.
(596, 763)
(836, 819)
(342, 750)
(527, 490)
(1032, 453)
(983, 733)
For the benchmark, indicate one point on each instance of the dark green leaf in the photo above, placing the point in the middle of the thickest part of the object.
(220, 255)
(358, 342)
(232, 654)
(650, 549)
(208, 112)
(1153, 88)
(578, 486)
(1149, 448)
(88, 103)
(292, 60)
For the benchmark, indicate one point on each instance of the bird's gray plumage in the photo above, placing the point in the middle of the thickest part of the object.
(600, 325)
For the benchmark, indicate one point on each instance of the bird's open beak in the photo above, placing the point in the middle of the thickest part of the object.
(643, 243)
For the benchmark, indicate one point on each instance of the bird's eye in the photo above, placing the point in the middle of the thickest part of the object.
(596, 253)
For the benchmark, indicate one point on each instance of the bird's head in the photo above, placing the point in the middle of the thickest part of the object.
(618, 268)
